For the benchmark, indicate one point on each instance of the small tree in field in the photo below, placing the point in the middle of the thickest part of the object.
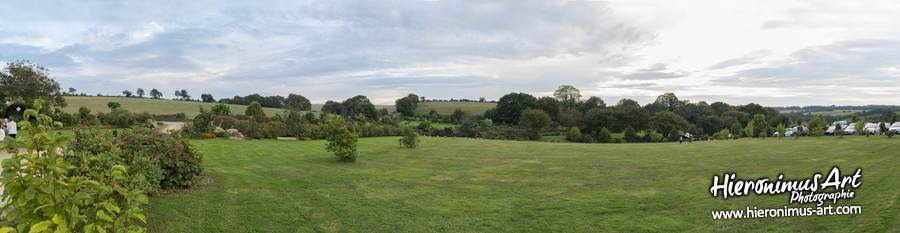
(126, 93)
(781, 130)
(839, 131)
(341, 141)
(140, 92)
(409, 139)
(889, 134)
(860, 126)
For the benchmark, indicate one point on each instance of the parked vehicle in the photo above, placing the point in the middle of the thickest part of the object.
(895, 127)
(834, 126)
(872, 128)
(788, 132)
(850, 129)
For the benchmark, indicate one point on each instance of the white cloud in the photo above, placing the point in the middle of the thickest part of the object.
(768, 51)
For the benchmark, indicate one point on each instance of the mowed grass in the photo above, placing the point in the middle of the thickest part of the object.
(444, 108)
(472, 185)
(154, 106)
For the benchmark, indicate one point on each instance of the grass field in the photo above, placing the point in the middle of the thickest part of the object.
(390, 108)
(443, 108)
(154, 106)
(471, 185)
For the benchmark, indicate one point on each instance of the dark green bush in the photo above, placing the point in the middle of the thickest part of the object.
(604, 136)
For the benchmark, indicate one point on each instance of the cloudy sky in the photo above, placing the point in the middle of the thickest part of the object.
(777, 53)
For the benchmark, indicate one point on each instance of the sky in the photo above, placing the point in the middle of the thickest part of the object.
(775, 53)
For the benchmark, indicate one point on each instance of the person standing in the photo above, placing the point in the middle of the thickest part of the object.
(11, 126)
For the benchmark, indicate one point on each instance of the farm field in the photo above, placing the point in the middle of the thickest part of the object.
(444, 108)
(390, 108)
(833, 113)
(473, 185)
(154, 106)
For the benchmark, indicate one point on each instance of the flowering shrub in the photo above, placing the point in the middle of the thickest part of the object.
(46, 192)
(175, 156)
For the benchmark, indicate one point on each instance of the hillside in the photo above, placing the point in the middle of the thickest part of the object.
(476, 108)
(154, 106)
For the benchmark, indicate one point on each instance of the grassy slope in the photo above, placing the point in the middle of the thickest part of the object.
(155, 106)
(468, 185)
(390, 108)
(476, 108)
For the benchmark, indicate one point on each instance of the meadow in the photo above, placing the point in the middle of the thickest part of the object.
(155, 106)
(445, 108)
(474, 185)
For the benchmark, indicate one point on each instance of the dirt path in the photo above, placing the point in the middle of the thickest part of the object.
(167, 125)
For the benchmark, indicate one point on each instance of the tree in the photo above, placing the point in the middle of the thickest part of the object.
(72, 91)
(817, 126)
(567, 95)
(177, 94)
(534, 120)
(296, 103)
(126, 93)
(630, 114)
(184, 95)
(719, 108)
(668, 102)
(254, 109)
(736, 130)
(359, 105)
(332, 107)
(406, 106)
(568, 117)
(759, 124)
(341, 141)
(550, 106)
(631, 135)
(155, 94)
(140, 92)
(860, 126)
(882, 127)
(598, 118)
(511, 106)
(604, 136)
(22, 82)
(574, 134)
(113, 105)
(781, 130)
(208, 98)
(221, 110)
(667, 122)
(799, 121)
(591, 103)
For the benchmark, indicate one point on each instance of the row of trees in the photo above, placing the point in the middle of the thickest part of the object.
(667, 115)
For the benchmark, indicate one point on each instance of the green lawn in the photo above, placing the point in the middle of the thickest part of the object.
(443, 108)
(154, 106)
(472, 185)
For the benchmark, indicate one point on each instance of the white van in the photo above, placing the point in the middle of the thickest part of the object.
(834, 126)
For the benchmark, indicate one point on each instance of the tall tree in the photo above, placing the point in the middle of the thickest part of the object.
(511, 106)
(668, 123)
(297, 103)
(140, 92)
(567, 96)
(155, 93)
(406, 106)
(184, 95)
(21, 82)
(207, 98)
(126, 93)
(72, 91)
(591, 103)
(534, 120)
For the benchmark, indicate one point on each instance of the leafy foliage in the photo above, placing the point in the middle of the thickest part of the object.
(24, 82)
(534, 120)
(574, 134)
(177, 158)
(409, 138)
(341, 141)
(47, 193)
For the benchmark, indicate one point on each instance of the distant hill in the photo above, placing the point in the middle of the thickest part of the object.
(153, 106)
(476, 108)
